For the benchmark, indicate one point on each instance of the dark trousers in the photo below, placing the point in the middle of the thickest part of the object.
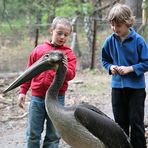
(128, 109)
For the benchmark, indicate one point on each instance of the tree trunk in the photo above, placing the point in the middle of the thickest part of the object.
(74, 43)
(144, 16)
(93, 45)
(136, 6)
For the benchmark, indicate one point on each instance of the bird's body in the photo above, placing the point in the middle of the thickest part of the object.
(81, 126)
(71, 131)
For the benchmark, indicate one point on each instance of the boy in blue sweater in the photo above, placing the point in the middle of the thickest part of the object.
(125, 56)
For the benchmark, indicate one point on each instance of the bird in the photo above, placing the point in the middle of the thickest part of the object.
(82, 125)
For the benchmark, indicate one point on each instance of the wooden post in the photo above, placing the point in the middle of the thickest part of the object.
(36, 37)
(94, 44)
(74, 43)
(144, 15)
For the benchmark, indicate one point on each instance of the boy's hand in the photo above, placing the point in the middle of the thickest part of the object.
(113, 69)
(65, 61)
(123, 70)
(21, 101)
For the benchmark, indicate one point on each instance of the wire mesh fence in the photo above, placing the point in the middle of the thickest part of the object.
(16, 43)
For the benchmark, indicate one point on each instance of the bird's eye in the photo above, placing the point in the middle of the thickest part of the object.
(46, 56)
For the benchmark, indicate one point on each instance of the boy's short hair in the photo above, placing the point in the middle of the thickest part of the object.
(121, 13)
(61, 20)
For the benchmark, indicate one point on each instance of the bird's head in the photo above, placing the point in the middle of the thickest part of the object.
(48, 61)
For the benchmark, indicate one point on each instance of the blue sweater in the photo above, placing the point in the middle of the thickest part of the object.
(133, 51)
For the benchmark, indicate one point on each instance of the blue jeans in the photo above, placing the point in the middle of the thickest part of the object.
(36, 119)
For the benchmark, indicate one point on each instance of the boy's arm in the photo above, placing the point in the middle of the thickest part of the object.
(25, 86)
(71, 67)
(142, 66)
(106, 60)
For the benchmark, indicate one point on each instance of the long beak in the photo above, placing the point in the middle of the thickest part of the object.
(41, 65)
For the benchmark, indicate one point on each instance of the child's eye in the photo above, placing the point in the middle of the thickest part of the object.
(66, 35)
(61, 33)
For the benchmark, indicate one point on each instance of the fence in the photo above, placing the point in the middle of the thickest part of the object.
(16, 43)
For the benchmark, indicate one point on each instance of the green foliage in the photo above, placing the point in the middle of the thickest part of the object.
(69, 7)
(18, 10)
(65, 10)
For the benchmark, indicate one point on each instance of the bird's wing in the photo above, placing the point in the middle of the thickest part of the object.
(101, 126)
(93, 108)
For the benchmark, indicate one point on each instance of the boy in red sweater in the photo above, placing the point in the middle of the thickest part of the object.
(60, 29)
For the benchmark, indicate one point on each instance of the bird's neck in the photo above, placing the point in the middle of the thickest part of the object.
(59, 78)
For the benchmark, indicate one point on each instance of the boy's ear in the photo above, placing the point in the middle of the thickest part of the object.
(50, 30)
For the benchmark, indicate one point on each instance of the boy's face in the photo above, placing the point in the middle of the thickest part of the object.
(60, 34)
(120, 29)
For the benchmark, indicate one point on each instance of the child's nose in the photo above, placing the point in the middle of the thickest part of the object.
(62, 36)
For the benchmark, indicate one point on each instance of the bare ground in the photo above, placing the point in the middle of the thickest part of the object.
(88, 86)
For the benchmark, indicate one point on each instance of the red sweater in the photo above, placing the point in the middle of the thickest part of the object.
(40, 83)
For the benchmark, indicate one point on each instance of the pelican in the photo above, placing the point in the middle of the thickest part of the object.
(80, 126)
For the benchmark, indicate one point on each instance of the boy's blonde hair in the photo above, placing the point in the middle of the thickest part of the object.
(121, 13)
(61, 20)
